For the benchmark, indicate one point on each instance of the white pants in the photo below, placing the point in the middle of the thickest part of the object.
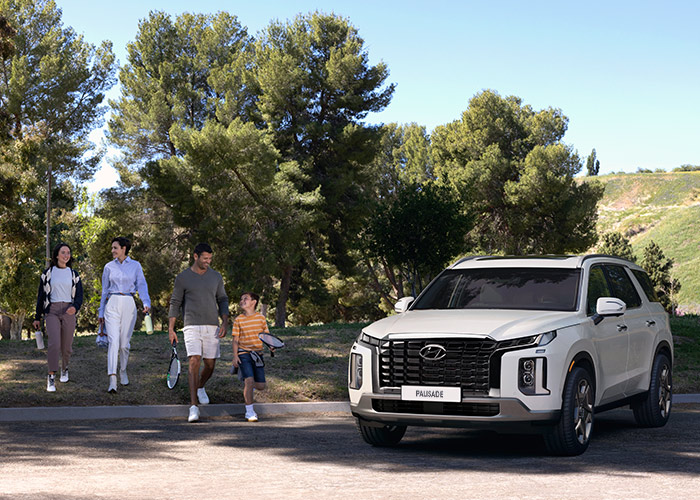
(120, 318)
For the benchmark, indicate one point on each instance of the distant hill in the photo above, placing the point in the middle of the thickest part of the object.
(664, 207)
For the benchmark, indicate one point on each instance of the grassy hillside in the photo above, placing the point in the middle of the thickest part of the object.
(664, 207)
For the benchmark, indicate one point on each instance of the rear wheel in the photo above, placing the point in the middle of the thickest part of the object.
(655, 408)
(572, 434)
(386, 435)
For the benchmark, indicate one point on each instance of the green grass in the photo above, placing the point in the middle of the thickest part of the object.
(312, 367)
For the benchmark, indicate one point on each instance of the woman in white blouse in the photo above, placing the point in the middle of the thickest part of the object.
(59, 299)
(122, 278)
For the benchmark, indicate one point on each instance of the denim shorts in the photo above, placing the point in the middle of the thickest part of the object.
(248, 369)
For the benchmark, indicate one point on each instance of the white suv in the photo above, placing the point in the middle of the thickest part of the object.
(532, 344)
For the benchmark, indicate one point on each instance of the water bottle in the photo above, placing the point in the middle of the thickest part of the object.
(148, 322)
(39, 339)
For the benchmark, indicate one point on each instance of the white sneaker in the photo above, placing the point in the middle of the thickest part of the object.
(112, 384)
(64, 376)
(251, 417)
(202, 396)
(194, 414)
(124, 378)
(51, 383)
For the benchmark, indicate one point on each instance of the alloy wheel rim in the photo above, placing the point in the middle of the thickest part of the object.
(583, 412)
(665, 391)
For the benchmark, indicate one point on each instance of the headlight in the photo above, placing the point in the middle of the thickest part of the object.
(546, 338)
(355, 371)
(366, 339)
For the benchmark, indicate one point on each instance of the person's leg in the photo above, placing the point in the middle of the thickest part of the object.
(193, 378)
(67, 331)
(53, 337)
(248, 391)
(126, 330)
(207, 371)
(112, 327)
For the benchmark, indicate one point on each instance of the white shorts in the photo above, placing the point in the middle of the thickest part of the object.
(202, 340)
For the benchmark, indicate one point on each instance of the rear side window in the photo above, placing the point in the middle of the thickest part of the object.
(597, 288)
(622, 286)
(645, 282)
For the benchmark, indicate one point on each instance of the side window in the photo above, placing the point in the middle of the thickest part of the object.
(622, 286)
(597, 288)
(645, 282)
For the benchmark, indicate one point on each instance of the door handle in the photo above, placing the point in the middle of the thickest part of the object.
(621, 328)
(651, 322)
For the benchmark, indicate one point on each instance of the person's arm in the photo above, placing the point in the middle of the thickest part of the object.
(235, 332)
(40, 297)
(78, 298)
(172, 335)
(105, 292)
(175, 304)
(224, 326)
(142, 288)
(222, 301)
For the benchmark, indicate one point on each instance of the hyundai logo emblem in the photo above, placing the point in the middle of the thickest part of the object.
(433, 352)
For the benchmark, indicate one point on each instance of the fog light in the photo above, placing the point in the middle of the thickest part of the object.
(532, 376)
(355, 371)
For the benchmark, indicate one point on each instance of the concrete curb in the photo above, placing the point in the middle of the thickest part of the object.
(164, 411)
(181, 411)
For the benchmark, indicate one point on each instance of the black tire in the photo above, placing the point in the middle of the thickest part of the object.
(655, 409)
(572, 434)
(387, 435)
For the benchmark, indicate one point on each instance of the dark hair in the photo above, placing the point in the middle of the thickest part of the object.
(253, 296)
(54, 255)
(202, 247)
(123, 242)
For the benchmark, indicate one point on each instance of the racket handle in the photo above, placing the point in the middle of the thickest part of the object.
(272, 353)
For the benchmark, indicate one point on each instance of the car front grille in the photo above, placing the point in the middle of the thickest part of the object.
(465, 365)
(431, 408)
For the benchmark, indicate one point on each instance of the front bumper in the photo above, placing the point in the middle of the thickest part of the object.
(504, 413)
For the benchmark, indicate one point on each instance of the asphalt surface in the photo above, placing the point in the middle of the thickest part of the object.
(321, 455)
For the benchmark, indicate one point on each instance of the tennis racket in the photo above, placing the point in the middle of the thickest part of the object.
(173, 368)
(271, 342)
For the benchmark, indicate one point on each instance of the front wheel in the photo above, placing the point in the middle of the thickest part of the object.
(386, 435)
(655, 408)
(572, 434)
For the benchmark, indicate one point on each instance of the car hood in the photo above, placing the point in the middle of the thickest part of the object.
(498, 324)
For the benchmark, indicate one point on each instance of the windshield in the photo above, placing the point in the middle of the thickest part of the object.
(507, 288)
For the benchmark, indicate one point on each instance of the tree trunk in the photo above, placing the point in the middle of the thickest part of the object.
(5, 324)
(16, 326)
(281, 309)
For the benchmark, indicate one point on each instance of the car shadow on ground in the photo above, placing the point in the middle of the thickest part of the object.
(618, 446)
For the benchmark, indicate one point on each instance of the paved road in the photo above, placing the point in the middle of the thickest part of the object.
(322, 456)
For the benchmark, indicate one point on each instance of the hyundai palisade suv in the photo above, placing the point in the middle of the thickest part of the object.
(519, 344)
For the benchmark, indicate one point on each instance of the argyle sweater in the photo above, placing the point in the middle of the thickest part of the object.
(43, 299)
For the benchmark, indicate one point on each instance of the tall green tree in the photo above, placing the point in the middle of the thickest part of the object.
(315, 88)
(52, 85)
(615, 244)
(659, 268)
(592, 164)
(417, 231)
(509, 166)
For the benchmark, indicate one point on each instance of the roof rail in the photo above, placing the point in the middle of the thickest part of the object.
(470, 257)
(595, 255)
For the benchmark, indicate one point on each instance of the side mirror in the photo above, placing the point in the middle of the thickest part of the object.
(608, 306)
(403, 303)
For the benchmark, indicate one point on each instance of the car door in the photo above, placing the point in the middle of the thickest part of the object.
(643, 341)
(635, 319)
(609, 338)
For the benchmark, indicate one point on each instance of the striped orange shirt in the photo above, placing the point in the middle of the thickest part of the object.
(246, 330)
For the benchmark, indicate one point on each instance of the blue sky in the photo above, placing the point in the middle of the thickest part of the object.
(625, 73)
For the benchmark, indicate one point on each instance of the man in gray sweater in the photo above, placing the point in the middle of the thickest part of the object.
(199, 292)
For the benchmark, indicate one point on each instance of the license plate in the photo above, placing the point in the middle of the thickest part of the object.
(426, 393)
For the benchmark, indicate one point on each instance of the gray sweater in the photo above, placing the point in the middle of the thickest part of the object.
(201, 296)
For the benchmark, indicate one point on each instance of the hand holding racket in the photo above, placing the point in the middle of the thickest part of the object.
(173, 368)
(271, 342)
